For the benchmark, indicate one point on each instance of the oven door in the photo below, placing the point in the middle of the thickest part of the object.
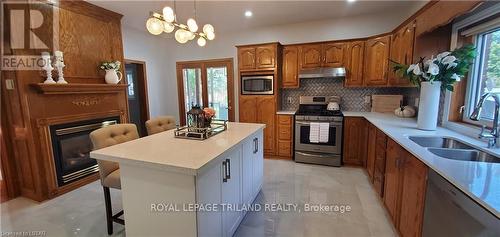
(302, 142)
(257, 85)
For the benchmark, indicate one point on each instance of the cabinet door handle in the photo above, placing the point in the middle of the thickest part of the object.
(224, 172)
(228, 165)
(255, 145)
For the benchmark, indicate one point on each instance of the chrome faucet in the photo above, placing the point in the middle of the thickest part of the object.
(493, 136)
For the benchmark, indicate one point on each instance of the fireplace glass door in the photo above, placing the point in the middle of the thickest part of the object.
(71, 148)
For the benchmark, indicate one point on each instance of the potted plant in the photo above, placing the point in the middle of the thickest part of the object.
(113, 74)
(433, 76)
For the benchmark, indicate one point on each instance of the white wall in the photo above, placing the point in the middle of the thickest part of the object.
(161, 54)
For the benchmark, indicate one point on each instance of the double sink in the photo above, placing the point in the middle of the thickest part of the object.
(454, 149)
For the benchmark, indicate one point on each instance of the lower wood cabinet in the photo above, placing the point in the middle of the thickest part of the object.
(355, 138)
(285, 134)
(405, 185)
(370, 152)
(261, 109)
(379, 169)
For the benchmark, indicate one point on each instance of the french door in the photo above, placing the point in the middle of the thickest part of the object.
(207, 83)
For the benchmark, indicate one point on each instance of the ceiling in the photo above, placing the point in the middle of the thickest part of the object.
(229, 15)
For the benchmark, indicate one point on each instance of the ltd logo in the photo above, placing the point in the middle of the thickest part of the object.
(28, 29)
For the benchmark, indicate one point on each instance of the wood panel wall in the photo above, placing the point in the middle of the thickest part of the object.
(87, 36)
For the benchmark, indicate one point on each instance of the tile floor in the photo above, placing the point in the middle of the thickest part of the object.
(81, 212)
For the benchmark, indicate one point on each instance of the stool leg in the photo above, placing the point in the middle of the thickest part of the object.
(109, 213)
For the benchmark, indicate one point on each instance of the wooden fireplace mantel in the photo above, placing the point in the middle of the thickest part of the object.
(52, 89)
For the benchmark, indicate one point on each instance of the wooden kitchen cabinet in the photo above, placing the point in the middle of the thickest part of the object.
(333, 54)
(260, 109)
(266, 114)
(412, 196)
(404, 189)
(257, 57)
(354, 64)
(401, 52)
(285, 136)
(265, 57)
(246, 58)
(380, 156)
(290, 71)
(248, 109)
(370, 151)
(311, 56)
(355, 135)
(376, 63)
(322, 55)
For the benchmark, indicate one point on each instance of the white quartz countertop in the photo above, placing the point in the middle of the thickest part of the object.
(286, 112)
(479, 180)
(163, 151)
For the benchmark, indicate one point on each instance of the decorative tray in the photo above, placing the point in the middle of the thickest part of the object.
(193, 133)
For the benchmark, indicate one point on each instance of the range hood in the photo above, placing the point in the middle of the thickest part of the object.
(324, 72)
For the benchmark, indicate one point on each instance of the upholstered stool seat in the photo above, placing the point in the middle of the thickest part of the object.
(160, 124)
(110, 171)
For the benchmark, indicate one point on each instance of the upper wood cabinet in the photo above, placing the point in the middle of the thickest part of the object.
(246, 58)
(311, 56)
(333, 54)
(355, 135)
(248, 109)
(290, 77)
(401, 52)
(354, 63)
(376, 61)
(266, 57)
(257, 57)
(322, 55)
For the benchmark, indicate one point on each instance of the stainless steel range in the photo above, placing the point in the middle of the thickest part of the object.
(318, 131)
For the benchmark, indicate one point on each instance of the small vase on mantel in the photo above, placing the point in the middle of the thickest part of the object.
(428, 107)
(113, 76)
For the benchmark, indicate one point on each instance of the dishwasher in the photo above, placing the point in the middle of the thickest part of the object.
(450, 212)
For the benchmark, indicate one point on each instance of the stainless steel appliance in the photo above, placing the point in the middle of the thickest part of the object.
(314, 109)
(257, 85)
(323, 72)
(449, 212)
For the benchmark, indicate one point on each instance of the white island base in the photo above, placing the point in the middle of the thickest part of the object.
(165, 181)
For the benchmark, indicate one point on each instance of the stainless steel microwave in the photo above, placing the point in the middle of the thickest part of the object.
(257, 85)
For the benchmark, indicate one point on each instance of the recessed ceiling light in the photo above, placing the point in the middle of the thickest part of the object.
(351, 0)
(248, 13)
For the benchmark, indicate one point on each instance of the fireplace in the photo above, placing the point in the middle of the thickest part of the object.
(71, 146)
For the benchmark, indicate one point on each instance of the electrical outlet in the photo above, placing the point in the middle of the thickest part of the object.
(9, 84)
(289, 100)
(368, 99)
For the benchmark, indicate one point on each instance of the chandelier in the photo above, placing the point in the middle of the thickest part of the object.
(167, 22)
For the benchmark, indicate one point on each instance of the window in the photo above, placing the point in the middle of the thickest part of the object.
(485, 74)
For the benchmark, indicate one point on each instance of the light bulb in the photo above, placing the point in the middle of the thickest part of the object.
(181, 36)
(168, 27)
(154, 26)
(168, 14)
(202, 41)
(208, 28)
(190, 35)
(210, 35)
(192, 26)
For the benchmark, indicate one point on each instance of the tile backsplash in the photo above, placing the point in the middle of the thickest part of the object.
(353, 99)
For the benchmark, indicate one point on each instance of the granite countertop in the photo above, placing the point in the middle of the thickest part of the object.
(164, 151)
(479, 180)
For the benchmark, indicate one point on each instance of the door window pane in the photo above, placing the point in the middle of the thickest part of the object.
(192, 87)
(218, 97)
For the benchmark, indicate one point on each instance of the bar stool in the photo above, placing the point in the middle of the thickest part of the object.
(110, 171)
(160, 124)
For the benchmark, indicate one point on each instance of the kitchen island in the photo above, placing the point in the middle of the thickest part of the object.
(180, 187)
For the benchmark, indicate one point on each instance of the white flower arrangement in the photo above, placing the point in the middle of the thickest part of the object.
(447, 67)
(107, 65)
